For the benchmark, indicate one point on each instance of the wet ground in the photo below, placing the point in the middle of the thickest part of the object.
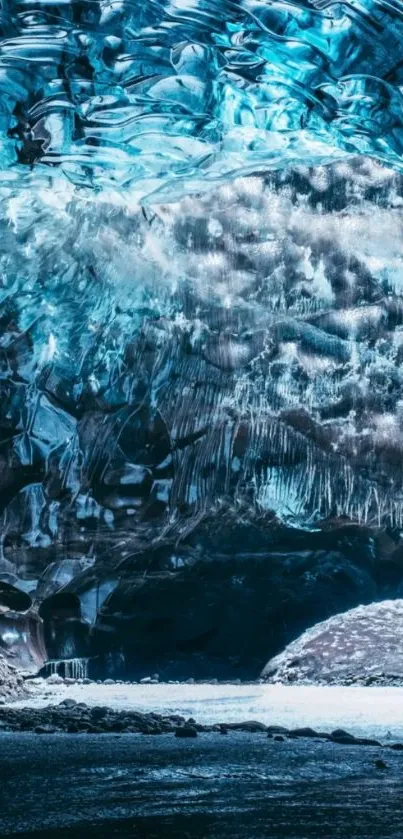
(239, 786)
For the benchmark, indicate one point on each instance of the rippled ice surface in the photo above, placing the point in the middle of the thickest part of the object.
(372, 711)
(184, 91)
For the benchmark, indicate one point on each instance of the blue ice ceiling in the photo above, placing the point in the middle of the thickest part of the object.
(235, 346)
(168, 96)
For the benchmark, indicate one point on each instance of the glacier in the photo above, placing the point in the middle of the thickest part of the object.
(201, 277)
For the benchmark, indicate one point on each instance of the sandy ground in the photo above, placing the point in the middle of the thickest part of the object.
(375, 712)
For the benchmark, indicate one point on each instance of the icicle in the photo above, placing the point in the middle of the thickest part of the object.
(69, 668)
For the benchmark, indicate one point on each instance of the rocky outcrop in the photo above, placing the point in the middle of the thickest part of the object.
(361, 646)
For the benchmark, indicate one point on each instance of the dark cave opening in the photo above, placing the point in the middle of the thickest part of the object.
(221, 612)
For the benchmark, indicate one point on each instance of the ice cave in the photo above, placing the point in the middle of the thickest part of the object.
(201, 419)
(201, 343)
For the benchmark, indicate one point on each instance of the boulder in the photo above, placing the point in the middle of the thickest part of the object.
(247, 725)
(186, 731)
(304, 732)
(380, 764)
(99, 712)
(67, 703)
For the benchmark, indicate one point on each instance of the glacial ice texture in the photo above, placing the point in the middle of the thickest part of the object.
(241, 350)
(170, 95)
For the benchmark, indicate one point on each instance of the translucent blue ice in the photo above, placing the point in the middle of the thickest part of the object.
(237, 348)
(171, 94)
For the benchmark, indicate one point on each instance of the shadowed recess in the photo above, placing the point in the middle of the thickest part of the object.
(13, 598)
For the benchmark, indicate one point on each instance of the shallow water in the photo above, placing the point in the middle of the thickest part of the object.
(376, 712)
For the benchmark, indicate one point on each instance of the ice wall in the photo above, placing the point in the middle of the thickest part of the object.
(201, 312)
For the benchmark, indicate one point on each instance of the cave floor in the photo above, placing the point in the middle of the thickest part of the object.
(241, 785)
(365, 711)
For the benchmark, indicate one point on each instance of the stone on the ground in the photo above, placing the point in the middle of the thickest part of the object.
(186, 731)
(55, 679)
(98, 712)
(304, 732)
(339, 732)
(247, 725)
(277, 729)
(380, 764)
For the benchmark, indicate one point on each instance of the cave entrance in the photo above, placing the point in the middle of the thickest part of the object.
(66, 635)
